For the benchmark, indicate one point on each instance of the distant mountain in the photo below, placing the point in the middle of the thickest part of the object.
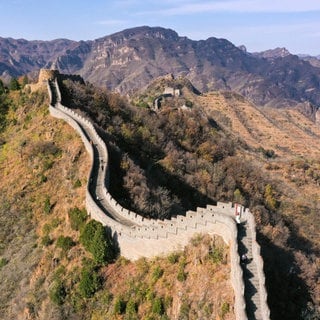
(128, 60)
(20, 56)
(273, 53)
(313, 60)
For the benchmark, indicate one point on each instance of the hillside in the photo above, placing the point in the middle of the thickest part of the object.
(195, 150)
(44, 166)
(222, 148)
(128, 60)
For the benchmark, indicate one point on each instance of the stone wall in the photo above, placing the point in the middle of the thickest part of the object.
(148, 237)
(259, 262)
(47, 74)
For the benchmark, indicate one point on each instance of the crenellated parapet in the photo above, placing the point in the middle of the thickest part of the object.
(140, 237)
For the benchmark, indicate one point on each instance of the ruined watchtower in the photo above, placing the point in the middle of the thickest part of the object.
(44, 76)
(47, 74)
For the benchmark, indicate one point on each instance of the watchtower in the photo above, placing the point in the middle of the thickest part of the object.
(47, 74)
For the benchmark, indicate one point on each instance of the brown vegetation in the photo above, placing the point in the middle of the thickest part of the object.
(45, 271)
(224, 148)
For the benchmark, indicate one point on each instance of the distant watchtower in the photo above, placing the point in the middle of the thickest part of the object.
(44, 76)
(47, 74)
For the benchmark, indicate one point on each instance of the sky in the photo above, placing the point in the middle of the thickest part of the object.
(258, 24)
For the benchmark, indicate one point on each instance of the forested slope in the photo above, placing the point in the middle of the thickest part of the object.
(57, 264)
(222, 148)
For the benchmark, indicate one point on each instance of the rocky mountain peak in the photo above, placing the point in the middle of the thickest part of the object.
(129, 60)
(273, 53)
(144, 32)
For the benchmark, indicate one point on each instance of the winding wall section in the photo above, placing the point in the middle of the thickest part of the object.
(139, 237)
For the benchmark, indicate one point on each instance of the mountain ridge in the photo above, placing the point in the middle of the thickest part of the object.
(128, 60)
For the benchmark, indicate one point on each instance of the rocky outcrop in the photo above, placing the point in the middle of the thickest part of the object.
(129, 60)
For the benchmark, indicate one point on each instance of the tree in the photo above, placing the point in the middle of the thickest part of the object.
(119, 306)
(2, 88)
(238, 197)
(25, 81)
(14, 84)
(157, 306)
(65, 243)
(98, 241)
(88, 233)
(57, 293)
(77, 218)
(271, 202)
(89, 283)
(131, 310)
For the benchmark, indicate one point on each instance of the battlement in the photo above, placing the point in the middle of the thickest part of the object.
(139, 237)
(47, 74)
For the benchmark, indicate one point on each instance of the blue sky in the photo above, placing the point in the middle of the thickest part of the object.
(258, 24)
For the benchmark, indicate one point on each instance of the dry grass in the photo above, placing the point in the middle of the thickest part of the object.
(205, 289)
(295, 141)
(40, 163)
(28, 177)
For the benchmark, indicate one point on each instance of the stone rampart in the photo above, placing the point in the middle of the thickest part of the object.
(148, 237)
(47, 74)
(265, 311)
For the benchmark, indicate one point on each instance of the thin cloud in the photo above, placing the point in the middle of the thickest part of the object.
(240, 6)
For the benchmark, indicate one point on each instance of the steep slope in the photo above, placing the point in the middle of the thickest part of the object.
(279, 149)
(44, 168)
(42, 165)
(128, 60)
(221, 147)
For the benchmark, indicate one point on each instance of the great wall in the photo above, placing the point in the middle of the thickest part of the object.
(139, 237)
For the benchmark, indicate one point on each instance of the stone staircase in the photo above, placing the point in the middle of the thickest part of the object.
(250, 274)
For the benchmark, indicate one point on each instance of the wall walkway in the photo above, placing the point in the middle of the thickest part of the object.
(139, 237)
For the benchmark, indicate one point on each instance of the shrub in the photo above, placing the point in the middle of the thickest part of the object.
(65, 243)
(268, 153)
(98, 242)
(14, 84)
(47, 164)
(269, 196)
(157, 273)
(131, 310)
(182, 276)
(43, 179)
(119, 306)
(3, 262)
(77, 218)
(196, 240)
(216, 254)
(238, 197)
(189, 104)
(77, 184)
(224, 309)
(47, 205)
(89, 283)
(57, 293)
(173, 257)
(46, 240)
(184, 311)
(157, 306)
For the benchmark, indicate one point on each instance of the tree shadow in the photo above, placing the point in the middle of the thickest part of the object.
(189, 197)
(288, 294)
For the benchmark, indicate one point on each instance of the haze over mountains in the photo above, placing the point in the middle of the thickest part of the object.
(128, 60)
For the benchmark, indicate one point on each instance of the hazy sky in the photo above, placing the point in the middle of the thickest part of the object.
(258, 24)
